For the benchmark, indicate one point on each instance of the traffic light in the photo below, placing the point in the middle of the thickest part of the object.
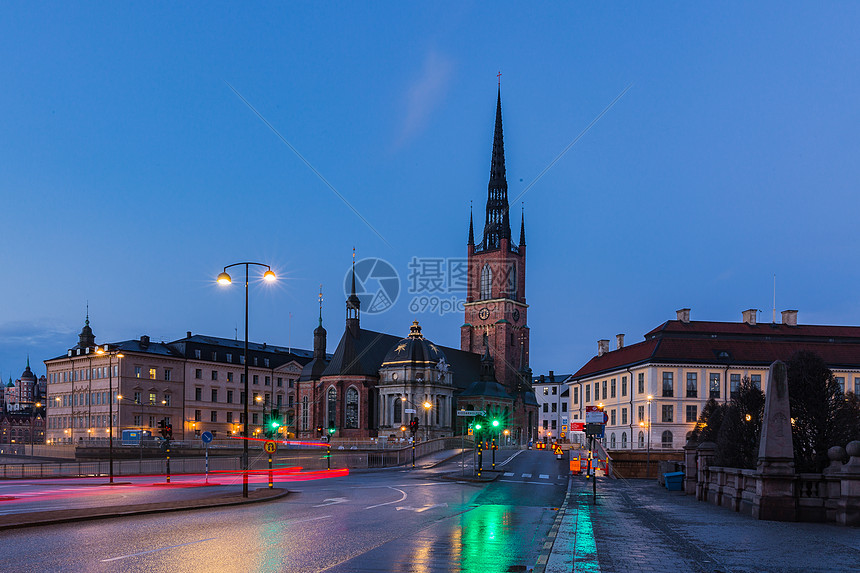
(320, 430)
(413, 426)
(331, 429)
(495, 424)
(169, 431)
(165, 429)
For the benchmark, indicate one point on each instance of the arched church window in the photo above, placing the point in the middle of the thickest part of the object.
(486, 282)
(351, 414)
(398, 410)
(332, 408)
(305, 413)
(438, 410)
(511, 286)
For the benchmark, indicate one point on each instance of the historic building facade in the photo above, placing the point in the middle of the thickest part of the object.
(653, 391)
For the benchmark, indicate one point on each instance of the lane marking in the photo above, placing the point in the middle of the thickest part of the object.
(155, 550)
(529, 482)
(390, 502)
(518, 452)
(332, 501)
(420, 509)
(508, 474)
(527, 475)
(543, 476)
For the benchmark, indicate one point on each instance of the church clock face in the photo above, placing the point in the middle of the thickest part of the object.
(516, 315)
(484, 314)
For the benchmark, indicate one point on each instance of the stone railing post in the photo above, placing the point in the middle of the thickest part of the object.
(690, 467)
(848, 507)
(705, 454)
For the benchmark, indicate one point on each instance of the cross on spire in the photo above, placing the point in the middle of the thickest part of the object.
(499, 75)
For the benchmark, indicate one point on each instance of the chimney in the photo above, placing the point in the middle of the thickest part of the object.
(144, 341)
(683, 315)
(187, 334)
(749, 316)
(551, 377)
(789, 317)
(602, 347)
(619, 341)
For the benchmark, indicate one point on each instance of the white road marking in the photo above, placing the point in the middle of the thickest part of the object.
(509, 474)
(420, 509)
(543, 476)
(518, 452)
(529, 482)
(527, 475)
(332, 501)
(155, 550)
(390, 502)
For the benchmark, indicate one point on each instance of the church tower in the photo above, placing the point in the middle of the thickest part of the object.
(496, 298)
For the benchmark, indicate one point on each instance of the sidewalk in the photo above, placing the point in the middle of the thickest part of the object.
(28, 519)
(636, 525)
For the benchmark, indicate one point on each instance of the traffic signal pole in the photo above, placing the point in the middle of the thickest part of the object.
(271, 481)
(168, 461)
(480, 457)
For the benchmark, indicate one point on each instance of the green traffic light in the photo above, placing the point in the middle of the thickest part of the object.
(495, 423)
(275, 424)
(477, 426)
(331, 430)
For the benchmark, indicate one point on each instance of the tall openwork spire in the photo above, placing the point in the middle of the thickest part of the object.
(471, 227)
(497, 225)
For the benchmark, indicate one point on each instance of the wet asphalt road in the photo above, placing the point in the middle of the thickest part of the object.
(386, 521)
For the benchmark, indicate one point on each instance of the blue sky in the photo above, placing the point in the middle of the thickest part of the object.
(131, 173)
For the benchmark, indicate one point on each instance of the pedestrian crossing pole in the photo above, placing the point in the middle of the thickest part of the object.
(328, 456)
(168, 461)
(413, 451)
(480, 457)
(271, 481)
(494, 452)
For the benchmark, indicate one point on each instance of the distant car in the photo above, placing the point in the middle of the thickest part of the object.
(530, 444)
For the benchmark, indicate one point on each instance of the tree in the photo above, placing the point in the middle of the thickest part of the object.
(740, 431)
(822, 416)
(709, 422)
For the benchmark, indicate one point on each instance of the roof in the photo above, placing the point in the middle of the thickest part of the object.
(363, 356)
(486, 388)
(730, 344)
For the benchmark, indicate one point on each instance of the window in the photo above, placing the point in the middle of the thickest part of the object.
(290, 382)
(623, 390)
(255, 361)
(714, 385)
(641, 439)
(612, 440)
(351, 413)
(691, 414)
(152, 421)
(214, 394)
(254, 397)
(198, 373)
(305, 413)
(280, 400)
(137, 371)
(229, 377)
(640, 413)
(841, 381)
(241, 359)
(554, 407)
(267, 380)
(545, 391)
(266, 362)
(255, 418)
(623, 415)
(229, 396)
(756, 380)
(197, 415)
(857, 386)
(612, 388)
(564, 406)
(612, 420)
(214, 375)
(576, 395)
(241, 378)
(623, 439)
(152, 373)
(137, 398)
(197, 354)
(692, 385)
(152, 398)
(735, 381)
(167, 373)
(553, 424)
(587, 393)
(167, 399)
(545, 407)
(668, 385)
(666, 439)
(229, 417)
(546, 424)
(641, 382)
(214, 356)
(198, 394)
(597, 391)
(213, 416)
(397, 410)
(554, 390)
(241, 397)
(280, 382)
(229, 357)
(137, 420)
(331, 411)
(486, 282)
(604, 389)
(256, 379)
(667, 413)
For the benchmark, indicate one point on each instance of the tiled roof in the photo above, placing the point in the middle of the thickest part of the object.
(731, 344)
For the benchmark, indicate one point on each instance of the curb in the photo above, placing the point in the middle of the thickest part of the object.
(546, 552)
(66, 516)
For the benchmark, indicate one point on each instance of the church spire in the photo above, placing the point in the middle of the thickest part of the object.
(321, 300)
(523, 228)
(353, 305)
(471, 227)
(497, 225)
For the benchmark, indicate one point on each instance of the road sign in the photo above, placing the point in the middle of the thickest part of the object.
(409, 411)
(593, 415)
(271, 447)
(577, 426)
(564, 420)
(564, 427)
(594, 430)
(471, 412)
(206, 437)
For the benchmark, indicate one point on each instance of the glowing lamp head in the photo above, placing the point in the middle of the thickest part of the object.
(269, 275)
(748, 417)
(224, 278)
(427, 405)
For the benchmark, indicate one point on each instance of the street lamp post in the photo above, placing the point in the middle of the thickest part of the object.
(648, 455)
(224, 279)
(111, 353)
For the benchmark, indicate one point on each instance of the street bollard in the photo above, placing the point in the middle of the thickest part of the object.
(480, 457)
(168, 462)
(328, 456)
(271, 481)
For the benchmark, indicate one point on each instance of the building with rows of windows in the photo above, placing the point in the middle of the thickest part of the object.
(553, 399)
(195, 383)
(654, 391)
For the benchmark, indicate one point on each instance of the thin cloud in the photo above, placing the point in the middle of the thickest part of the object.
(425, 94)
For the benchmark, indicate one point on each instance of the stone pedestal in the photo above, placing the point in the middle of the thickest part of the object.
(848, 507)
(774, 498)
(690, 467)
(705, 454)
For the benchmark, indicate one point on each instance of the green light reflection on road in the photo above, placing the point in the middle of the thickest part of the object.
(585, 554)
(487, 544)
